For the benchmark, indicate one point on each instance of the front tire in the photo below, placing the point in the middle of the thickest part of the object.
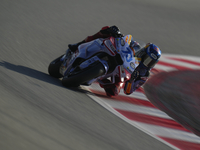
(54, 67)
(83, 76)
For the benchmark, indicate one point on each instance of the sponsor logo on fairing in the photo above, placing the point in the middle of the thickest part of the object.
(132, 65)
(112, 48)
(129, 69)
(129, 54)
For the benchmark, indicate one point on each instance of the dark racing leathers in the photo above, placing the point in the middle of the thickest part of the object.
(100, 34)
(137, 80)
(113, 89)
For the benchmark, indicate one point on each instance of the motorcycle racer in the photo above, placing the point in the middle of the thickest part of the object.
(147, 57)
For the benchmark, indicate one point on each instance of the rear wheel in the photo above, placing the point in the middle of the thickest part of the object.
(54, 67)
(82, 76)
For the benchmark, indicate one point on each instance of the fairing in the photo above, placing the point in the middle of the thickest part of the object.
(111, 46)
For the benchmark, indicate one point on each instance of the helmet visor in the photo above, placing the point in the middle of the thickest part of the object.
(149, 62)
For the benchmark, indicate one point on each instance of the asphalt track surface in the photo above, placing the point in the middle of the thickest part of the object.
(36, 111)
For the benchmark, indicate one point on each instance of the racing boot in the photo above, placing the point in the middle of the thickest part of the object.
(74, 47)
(111, 89)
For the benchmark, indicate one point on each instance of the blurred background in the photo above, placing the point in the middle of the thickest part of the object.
(36, 111)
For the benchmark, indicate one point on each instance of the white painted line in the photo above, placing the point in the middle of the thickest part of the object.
(170, 133)
(108, 107)
(164, 68)
(179, 63)
(136, 108)
(191, 58)
(138, 95)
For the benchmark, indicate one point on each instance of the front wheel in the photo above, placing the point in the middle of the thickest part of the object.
(77, 78)
(54, 67)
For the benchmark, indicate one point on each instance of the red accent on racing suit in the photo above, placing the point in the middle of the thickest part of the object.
(97, 35)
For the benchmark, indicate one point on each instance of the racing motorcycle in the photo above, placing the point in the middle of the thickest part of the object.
(94, 61)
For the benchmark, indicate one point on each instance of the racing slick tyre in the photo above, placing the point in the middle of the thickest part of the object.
(82, 76)
(54, 67)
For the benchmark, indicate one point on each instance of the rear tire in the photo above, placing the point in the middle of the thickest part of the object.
(84, 76)
(54, 68)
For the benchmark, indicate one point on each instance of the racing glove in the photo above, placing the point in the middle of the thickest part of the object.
(113, 31)
(134, 75)
(135, 82)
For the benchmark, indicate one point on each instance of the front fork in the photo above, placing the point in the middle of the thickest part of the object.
(92, 60)
(66, 70)
(65, 59)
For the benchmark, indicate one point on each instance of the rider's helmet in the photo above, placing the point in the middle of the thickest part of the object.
(149, 55)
